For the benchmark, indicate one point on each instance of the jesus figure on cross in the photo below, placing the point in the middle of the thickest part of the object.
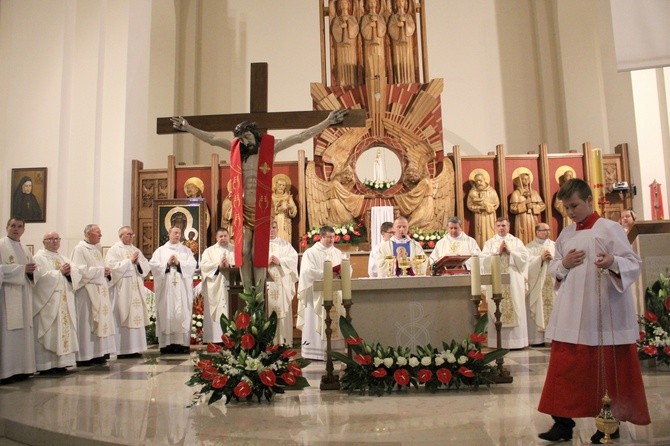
(251, 159)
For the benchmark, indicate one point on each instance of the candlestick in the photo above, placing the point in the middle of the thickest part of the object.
(327, 281)
(597, 182)
(496, 278)
(345, 273)
(475, 277)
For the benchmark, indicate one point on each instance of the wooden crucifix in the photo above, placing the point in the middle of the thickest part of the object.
(259, 112)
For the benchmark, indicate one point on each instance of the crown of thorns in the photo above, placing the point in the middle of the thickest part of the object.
(246, 126)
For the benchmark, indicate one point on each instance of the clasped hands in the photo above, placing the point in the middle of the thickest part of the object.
(576, 257)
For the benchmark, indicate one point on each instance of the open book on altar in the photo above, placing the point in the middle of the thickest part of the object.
(450, 265)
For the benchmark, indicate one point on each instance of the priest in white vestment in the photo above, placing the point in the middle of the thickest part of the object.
(173, 266)
(541, 291)
(311, 313)
(400, 246)
(513, 257)
(128, 268)
(215, 266)
(386, 231)
(17, 345)
(280, 284)
(55, 319)
(455, 243)
(93, 301)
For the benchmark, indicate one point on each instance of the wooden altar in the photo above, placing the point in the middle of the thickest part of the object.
(411, 311)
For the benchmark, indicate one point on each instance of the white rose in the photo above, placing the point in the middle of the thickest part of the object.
(451, 358)
(413, 362)
(462, 359)
(198, 324)
(426, 361)
(378, 361)
(439, 360)
(388, 362)
(402, 361)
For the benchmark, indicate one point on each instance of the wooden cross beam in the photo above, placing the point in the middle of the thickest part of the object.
(259, 112)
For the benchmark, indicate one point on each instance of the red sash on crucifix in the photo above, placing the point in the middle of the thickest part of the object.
(263, 208)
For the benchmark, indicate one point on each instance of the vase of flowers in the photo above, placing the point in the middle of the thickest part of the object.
(379, 185)
(654, 341)
(346, 234)
(376, 369)
(247, 364)
(426, 240)
(197, 319)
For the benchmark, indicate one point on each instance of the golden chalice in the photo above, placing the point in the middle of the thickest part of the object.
(418, 260)
(404, 264)
(390, 260)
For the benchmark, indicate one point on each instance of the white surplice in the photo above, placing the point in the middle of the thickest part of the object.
(463, 245)
(17, 345)
(541, 292)
(215, 285)
(311, 313)
(281, 288)
(95, 312)
(131, 313)
(55, 316)
(174, 294)
(514, 333)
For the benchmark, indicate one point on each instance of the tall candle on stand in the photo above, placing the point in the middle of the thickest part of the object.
(496, 278)
(327, 281)
(475, 278)
(597, 182)
(345, 273)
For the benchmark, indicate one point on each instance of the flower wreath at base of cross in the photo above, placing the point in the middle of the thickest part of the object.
(654, 341)
(376, 369)
(247, 364)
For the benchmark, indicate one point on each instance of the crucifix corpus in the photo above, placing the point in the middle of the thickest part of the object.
(251, 159)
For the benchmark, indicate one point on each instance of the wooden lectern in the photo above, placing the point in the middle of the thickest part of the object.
(651, 241)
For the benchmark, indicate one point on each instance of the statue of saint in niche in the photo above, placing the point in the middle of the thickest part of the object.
(283, 205)
(344, 29)
(526, 204)
(483, 201)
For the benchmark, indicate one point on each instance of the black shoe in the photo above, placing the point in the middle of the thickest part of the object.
(595, 438)
(100, 360)
(561, 430)
(84, 363)
(129, 355)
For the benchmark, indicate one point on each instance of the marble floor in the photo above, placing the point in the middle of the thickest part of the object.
(143, 401)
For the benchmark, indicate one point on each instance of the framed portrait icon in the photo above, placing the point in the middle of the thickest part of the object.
(29, 194)
(189, 214)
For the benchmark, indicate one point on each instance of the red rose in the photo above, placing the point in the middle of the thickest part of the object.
(271, 348)
(205, 363)
(354, 341)
(303, 243)
(443, 375)
(379, 373)
(242, 321)
(401, 376)
(288, 379)
(268, 377)
(219, 381)
(213, 348)
(431, 244)
(666, 350)
(289, 353)
(227, 341)
(424, 375)
(248, 341)
(363, 359)
(466, 372)
(242, 389)
(650, 316)
(346, 237)
(208, 374)
(316, 238)
(422, 244)
(294, 369)
(336, 238)
(478, 337)
(304, 236)
(642, 336)
(474, 354)
(650, 350)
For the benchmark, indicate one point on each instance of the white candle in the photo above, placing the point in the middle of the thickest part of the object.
(345, 272)
(496, 278)
(327, 281)
(475, 278)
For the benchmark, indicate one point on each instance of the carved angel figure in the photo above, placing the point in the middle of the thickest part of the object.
(332, 202)
(345, 32)
(427, 203)
(401, 28)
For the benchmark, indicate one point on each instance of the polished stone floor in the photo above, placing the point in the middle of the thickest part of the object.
(143, 401)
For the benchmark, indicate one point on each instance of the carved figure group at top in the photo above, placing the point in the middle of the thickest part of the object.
(483, 201)
(526, 204)
(385, 32)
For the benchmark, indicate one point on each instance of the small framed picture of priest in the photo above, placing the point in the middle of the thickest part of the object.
(189, 214)
(29, 194)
